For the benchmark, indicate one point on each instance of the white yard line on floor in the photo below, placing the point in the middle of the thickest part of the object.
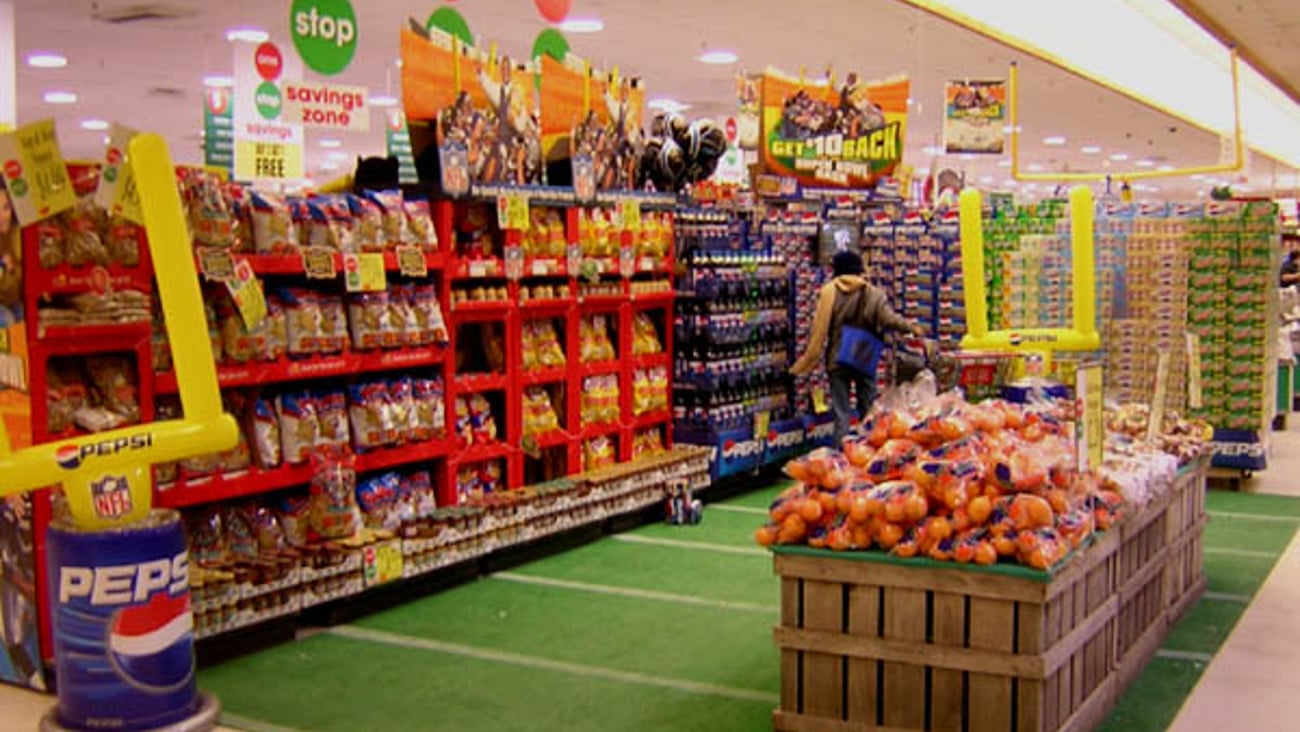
(547, 664)
(1172, 655)
(739, 509)
(1250, 684)
(695, 545)
(248, 724)
(528, 579)
(1254, 517)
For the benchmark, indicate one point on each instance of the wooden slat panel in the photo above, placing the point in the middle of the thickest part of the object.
(946, 685)
(785, 722)
(1051, 701)
(957, 581)
(823, 676)
(790, 602)
(992, 628)
(912, 653)
(1031, 712)
(864, 620)
(904, 684)
(790, 680)
(1060, 651)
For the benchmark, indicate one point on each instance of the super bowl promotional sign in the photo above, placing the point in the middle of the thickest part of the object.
(268, 141)
(845, 136)
(974, 119)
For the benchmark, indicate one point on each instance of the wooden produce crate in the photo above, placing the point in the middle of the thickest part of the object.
(1185, 578)
(873, 643)
(1141, 587)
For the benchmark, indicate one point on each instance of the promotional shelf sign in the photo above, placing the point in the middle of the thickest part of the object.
(268, 142)
(974, 117)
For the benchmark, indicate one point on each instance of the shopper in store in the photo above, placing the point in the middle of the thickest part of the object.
(1291, 261)
(848, 300)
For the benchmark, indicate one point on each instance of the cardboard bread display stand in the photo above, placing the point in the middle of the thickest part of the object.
(118, 574)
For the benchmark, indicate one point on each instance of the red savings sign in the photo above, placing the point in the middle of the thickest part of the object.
(268, 60)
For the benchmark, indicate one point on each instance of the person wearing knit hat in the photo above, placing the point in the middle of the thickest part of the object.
(848, 299)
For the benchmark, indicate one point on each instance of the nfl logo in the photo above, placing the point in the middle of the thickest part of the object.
(112, 496)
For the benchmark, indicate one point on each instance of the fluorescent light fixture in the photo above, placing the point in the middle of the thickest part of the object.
(337, 156)
(910, 101)
(60, 97)
(329, 166)
(1054, 141)
(1137, 31)
(1090, 149)
(1199, 176)
(47, 60)
(582, 25)
(923, 172)
(1035, 167)
(986, 179)
(1018, 129)
(718, 56)
(1010, 183)
(931, 150)
(1144, 163)
(1165, 168)
(218, 80)
(1119, 156)
(96, 125)
(383, 100)
(247, 34)
(329, 142)
(1004, 163)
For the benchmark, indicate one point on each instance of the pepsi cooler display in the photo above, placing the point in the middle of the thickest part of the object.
(123, 631)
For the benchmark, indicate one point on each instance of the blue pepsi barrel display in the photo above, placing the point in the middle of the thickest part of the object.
(123, 631)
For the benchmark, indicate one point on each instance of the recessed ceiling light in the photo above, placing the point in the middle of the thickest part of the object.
(1035, 167)
(1198, 176)
(910, 101)
(717, 57)
(94, 124)
(582, 25)
(46, 60)
(60, 97)
(986, 179)
(1010, 183)
(337, 156)
(1090, 149)
(1165, 168)
(923, 172)
(930, 150)
(1004, 163)
(329, 166)
(251, 35)
(1144, 163)
(383, 100)
(1008, 129)
(1119, 156)
(218, 80)
(1054, 140)
(330, 142)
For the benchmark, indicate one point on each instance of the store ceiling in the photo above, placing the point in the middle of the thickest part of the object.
(147, 73)
(1265, 30)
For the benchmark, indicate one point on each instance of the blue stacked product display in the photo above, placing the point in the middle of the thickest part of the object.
(732, 336)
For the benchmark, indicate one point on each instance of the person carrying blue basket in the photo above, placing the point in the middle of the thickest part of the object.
(851, 319)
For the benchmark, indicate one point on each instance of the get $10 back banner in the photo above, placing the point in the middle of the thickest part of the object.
(842, 136)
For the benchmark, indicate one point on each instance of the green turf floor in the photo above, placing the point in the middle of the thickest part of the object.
(663, 628)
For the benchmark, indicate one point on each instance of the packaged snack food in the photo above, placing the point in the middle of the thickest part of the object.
(405, 325)
(371, 415)
(122, 240)
(401, 405)
(594, 341)
(377, 497)
(367, 224)
(430, 326)
(393, 228)
(538, 412)
(645, 337)
(266, 434)
(597, 453)
(113, 379)
(371, 320)
(274, 230)
(299, 427)
(240, 539)
(266, 528)
(239, 457)
(429, 409)
(419, 224)
(207, 537)
(238, 344)
(334, 324)
(211, 222)
(464, 423)
(333, 512)
(304, 320)
(332, 416)
(330, 224)
(294, 513)
(418, 486)
(483, 425)
(51, 243)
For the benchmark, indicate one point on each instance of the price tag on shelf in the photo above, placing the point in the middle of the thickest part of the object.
(574, 255)
(819, 400)
(626, 261)
(512, 212)
(514, 262)
(411, 262)
(1089, 437)
(762, 422)
(246, 292)
(216, 265)
(1195, 387)
(382, 562)
(364, 272)
(318, 263)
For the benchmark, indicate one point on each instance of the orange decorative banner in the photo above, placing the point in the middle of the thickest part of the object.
(564, 99)
(848, 137)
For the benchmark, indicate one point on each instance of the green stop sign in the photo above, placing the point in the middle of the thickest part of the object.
(325, 33)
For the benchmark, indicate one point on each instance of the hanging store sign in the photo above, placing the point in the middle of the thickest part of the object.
(974, 117)
(398, 139)
(268, 143)
(849, 137)
(327, 106)
(218, 128)
(34, 172)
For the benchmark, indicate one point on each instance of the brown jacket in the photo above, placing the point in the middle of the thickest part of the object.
(846, 300)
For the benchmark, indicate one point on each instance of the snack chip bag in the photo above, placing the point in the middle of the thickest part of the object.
(299, 427)
(294, 512)
(401, 401)
(274, 230)
(332, 415)
(371, 415)
(377, 497)
(393, 229)
(266, 434)
(430, 411)
(419, 224)
(367, 224)
(370, 319)
(333, 511)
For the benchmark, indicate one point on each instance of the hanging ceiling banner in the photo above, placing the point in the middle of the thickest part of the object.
(327, 106)
(975, 116)
(268, 142)
(849, 136)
